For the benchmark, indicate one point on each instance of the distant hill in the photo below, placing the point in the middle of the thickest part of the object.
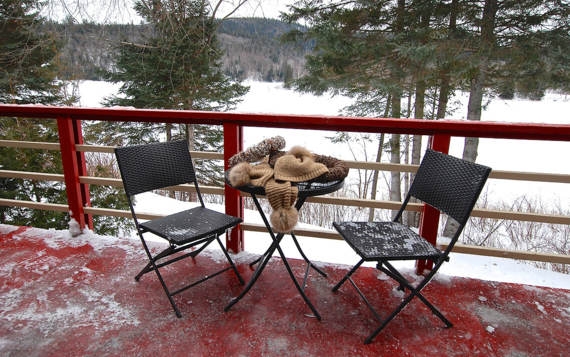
(252, 48)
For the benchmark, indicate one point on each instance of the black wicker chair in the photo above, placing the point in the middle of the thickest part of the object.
(149, 167)
(444, 182)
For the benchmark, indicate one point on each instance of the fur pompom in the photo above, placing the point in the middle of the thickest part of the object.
(283, 220)
(299, 152)
(239, 174)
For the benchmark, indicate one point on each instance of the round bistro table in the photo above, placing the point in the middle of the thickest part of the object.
(306, 190)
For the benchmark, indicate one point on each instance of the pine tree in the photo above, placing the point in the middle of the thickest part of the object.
(28, 66)
(379, 51)
(176, 66)
(363, 49)
(27, 56)
(27, 75)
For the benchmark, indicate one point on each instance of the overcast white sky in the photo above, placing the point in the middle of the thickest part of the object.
(121, 11)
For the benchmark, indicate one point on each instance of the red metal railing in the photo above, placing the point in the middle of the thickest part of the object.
(69, 124)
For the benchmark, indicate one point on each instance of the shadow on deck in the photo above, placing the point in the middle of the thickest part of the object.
(77, 296)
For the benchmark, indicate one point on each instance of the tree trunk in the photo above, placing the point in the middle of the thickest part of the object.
(375, 176)
(190, 138)
(168, 132)
(443, 96)
(477, 86)
(395, 189)
(419, 113)
(474, 113)
(171, 194)
(378, 159)
(445, 84)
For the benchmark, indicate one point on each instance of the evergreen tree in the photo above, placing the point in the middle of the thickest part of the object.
(28, 66)
(363, 49)
(27, 56)
(27, 75)
(175, 66)
(377, 51)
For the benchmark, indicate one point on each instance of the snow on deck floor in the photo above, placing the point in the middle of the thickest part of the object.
(76, 296)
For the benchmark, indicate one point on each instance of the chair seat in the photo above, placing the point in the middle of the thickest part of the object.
(191, 225)
(385, 241)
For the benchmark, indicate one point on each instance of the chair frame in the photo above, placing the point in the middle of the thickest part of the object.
(383, 264)
(181, 148)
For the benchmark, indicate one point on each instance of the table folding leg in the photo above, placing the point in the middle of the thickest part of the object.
(264, 259)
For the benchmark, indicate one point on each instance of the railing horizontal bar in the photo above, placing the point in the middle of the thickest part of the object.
(360, 202)
(355, 202)
(495, 174)
(29, 144)
(95, 148)
(512, 254)
(106, 181)
(464, 128)
(101, 181)
(521, 216)
(31, 175)
(478, 212)
(207, 155)
(530, 176)
(381, 166)
(35, 205)
(111, 150)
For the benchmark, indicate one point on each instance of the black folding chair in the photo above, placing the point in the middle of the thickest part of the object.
(149, 167)
(444, 182)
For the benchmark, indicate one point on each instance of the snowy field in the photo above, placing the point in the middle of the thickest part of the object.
(514, 155)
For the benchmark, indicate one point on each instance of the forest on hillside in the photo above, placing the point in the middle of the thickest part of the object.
(251, 48)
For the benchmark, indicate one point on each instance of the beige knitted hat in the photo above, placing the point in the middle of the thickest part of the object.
(298, 165)
(282, 196)
(243, 174)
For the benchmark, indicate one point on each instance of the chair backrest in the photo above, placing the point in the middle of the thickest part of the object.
(153, 166)
(449, 184)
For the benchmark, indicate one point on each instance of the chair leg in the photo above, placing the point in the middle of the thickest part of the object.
(394, 274)
(339, 284)
(153, 266)
(168, 294)
(149, 267)
(388, 319)
(230, 261)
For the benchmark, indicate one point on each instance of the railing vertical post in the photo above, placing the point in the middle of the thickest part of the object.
(73, 162)
(233, 143)
(429, 221)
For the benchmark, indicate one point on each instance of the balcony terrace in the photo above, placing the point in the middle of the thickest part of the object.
(77, 297)
(64, 295)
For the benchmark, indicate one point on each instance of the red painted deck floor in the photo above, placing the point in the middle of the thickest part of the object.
(63, 296)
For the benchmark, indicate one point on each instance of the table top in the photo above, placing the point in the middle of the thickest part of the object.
(306, 189)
